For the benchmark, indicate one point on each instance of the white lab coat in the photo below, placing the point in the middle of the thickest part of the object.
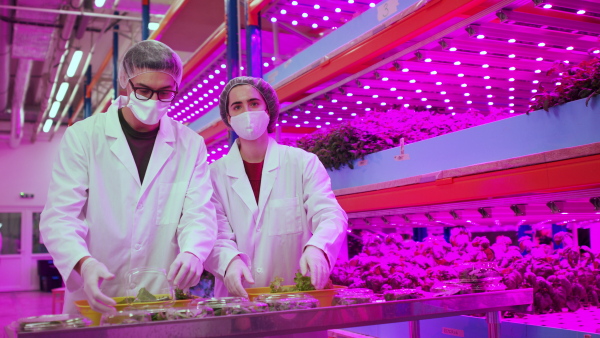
(98, 207)
(296, 208)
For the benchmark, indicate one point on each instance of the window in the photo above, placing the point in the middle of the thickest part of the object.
(10, 233)
(37, 245)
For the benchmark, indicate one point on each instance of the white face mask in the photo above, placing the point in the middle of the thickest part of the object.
(148, 112)
(250, 125)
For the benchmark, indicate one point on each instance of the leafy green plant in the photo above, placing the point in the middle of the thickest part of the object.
(574, 82)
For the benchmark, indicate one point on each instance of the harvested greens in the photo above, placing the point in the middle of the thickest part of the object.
(302, 284)
(145, 296)
(271, 299)
(403, 294)
(189, 313)
(217, 304)
(245, 308)
(182, 295)
(352, 296)
(294, 303)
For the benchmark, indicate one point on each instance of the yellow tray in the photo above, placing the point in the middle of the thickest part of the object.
(324, 296)
(85, 309)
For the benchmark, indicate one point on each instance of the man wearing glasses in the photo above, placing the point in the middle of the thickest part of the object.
(130, 189)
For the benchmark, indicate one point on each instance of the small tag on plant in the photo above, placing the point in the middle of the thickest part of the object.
(362, 163)
(402, 155)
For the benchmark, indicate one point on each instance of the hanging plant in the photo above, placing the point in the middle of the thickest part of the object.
(573, 83)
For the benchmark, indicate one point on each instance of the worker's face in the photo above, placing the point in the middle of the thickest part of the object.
(244, 98)
(154, 81)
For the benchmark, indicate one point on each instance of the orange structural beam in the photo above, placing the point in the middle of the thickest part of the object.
(215, 131)
(171, 15)
(556, 176)
(98, 72)
(426, 18)
(216, 40)
(254, 9)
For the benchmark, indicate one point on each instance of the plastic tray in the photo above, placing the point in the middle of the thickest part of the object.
(324, 296)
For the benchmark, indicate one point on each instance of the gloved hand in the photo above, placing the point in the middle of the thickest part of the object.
(233, 277)
(313, 259)
(93, 273)
(185, 270)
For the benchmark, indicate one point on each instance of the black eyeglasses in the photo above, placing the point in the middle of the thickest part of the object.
(145, 93)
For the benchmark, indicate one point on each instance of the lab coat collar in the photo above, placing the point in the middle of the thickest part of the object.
(163, 146)
(234, 167)
(269, 175)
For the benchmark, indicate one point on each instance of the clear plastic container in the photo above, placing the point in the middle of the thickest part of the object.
(378, 298)
(146, 285)
(52, 322)
(199, 311)
(474, 272)
(217, 304)
(126, 317)
(157, 314)
(488, 285)
(403, 294)
(285, 304)
(245, 308)
(356, 290)
(352, 296)
(272, 298)
(450, 288)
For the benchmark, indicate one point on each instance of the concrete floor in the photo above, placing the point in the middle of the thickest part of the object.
(15, 305)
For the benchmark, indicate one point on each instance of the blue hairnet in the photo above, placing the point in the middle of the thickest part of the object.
(149, 56)
(263, 87)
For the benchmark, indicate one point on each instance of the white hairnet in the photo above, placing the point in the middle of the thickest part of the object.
(149, 56)
(263, 87)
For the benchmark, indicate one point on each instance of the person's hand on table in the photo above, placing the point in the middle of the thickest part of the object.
(185, 271)
(313, 259)
(237, 270)
(93, 274)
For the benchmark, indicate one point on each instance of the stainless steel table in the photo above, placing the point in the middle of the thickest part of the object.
(299, 321)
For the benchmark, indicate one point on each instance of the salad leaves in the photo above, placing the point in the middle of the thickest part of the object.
(302, 284)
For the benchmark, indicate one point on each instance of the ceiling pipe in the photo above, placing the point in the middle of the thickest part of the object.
(61, 52)
(69, 102)
(5, 45)
(77, 13)
(19, 92)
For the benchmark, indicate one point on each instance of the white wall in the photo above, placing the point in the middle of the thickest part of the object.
(27, 169)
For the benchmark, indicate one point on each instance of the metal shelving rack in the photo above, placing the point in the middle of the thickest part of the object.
(312, 320)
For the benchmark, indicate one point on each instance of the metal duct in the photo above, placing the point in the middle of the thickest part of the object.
(33, 42)
(5, 43)
(19, 92)
(84, 21)
(60, 53)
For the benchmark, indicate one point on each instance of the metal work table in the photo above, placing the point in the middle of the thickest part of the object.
(299, 321)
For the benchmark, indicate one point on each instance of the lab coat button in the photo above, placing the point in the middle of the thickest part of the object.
(259, 270)
(137, 246)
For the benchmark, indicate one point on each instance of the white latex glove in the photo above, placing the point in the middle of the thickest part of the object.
(185, 271)
(233, 277)
(93, 273)
(313, 259)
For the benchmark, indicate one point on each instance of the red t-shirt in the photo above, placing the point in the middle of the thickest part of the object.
(254, 173)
